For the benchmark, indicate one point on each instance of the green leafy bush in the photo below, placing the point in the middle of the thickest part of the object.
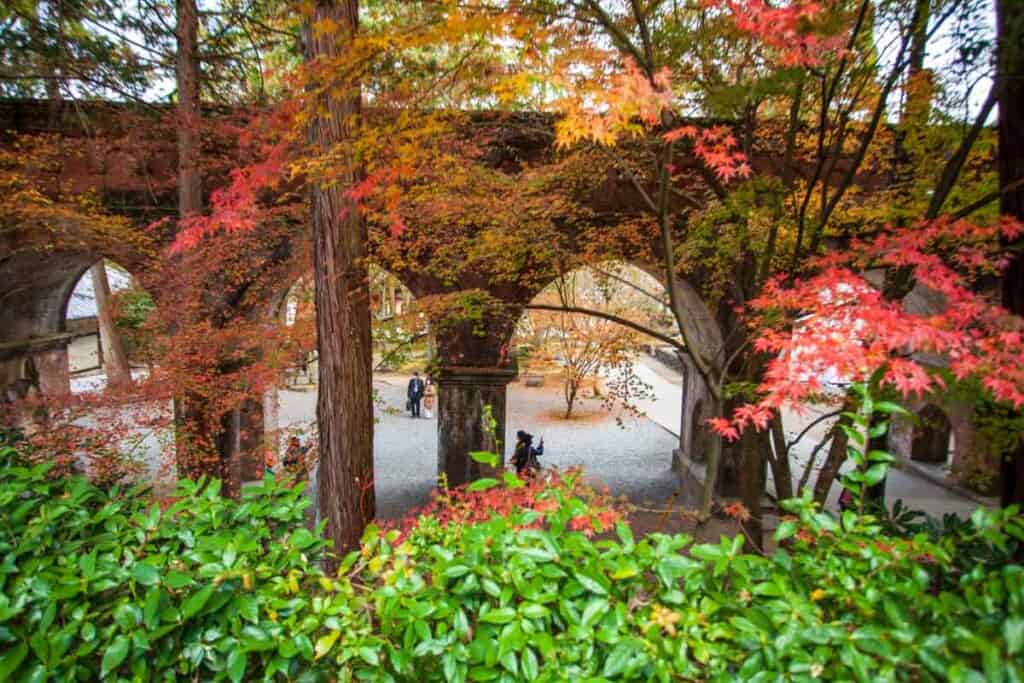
(101, 584)
(505, 603)
(106, 585)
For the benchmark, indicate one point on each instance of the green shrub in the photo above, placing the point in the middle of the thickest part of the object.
(504, 603)
(106, 585)
(100, 584)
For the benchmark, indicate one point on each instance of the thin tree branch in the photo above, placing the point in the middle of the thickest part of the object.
(956, 163)
(674, 343)
(987, 199)
(816, 422)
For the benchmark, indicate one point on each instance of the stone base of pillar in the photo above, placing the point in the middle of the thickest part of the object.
(243, 446)
(466, 396)
(33, 367)
(691, 475)
(271, 427)
(41, 362)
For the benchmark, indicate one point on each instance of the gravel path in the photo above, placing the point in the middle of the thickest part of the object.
(632, 460)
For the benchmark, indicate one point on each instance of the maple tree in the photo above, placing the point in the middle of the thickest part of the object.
(585, 346)
(697, 205)
(756, 228)
(837, 321)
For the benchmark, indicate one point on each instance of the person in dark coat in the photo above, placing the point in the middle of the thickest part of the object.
(415, 394)
(525, 455)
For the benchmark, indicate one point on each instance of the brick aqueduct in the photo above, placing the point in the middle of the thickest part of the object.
(133, 169)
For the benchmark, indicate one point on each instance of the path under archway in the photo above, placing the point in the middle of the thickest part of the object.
(629, 459)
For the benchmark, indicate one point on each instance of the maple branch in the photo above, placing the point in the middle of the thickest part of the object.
(645, 33)
(956, 163)
(862, 150)
(787, 180)
(611, 317)
(651, 295)
(712, 180)
(851, 171)
(394, 352)
(618, 36)
(734, 355)
(809, 427)
(648, 200)
(809, 467)
(703, 366)
(987, 199)
(688, 198)
(827, 95)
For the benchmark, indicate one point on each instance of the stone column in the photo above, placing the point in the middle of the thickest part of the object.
(242, 434)
(474, 370)
(40, 362)
(51, 361)
(271, 423)
(30, 368)
(465, 394)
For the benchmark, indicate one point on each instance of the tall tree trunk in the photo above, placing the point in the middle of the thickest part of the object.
(115, 360)
(198, 434)
(190, 197)
(345, 403)
(781, 470)
(1010, 75)
(836, 457)
(752, 485)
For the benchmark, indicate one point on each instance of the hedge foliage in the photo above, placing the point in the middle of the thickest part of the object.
(107, 585)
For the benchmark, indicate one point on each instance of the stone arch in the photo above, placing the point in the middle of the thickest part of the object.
(932, 423)
(694, 436)
(622, 288)
(930, 442)
(34, 338)
(81, 317)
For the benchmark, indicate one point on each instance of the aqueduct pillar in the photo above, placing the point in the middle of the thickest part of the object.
(473, 375)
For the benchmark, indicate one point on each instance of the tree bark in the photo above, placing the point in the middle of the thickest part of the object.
(190, 196)
(836, 457)
(345, 401)
(751, 486)
(114, 358)
(198, 437)
(1010, 79)
(781, 471)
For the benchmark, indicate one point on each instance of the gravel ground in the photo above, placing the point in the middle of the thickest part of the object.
(632, 460)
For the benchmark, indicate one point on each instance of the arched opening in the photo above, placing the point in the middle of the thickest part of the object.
(53, 344)
(405, 449)
(931, 436)
(401, 336)
(587, 354)
(106, 316)
(599, 390)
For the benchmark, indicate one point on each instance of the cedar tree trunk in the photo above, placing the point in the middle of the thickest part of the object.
(345, 403)
(1010, 72)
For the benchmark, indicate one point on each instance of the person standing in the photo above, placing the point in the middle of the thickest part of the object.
(429, 398)
(415, 394)
(525, 455)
